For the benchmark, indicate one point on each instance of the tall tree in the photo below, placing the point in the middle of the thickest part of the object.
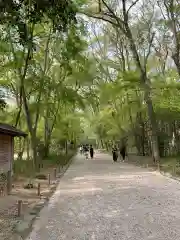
(120, 17)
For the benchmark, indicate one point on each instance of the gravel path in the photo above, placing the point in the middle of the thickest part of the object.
(99, 200)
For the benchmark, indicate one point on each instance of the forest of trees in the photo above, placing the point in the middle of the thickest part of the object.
(114, 64)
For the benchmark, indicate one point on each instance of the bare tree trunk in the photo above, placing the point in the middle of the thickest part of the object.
(48, 129)
(34, 150)
(46, 137)
(21, 148)
(102, 144)
(153, 123)
(27, 149)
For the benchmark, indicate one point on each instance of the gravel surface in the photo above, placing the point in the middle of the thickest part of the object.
(99, 200)
(8, 219)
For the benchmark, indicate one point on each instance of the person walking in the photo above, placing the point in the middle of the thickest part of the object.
(123, 152)
(81, 149)
(91, 151)
(86, 150)
(115, 154)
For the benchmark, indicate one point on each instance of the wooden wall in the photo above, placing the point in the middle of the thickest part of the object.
(6, 152)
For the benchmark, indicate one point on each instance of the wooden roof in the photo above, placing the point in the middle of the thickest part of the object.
(10, 130)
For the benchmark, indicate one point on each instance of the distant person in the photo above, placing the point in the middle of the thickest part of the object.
(86, 151)
(84, 146)
(91, 151)
(123, 152)
(81, 149)
(115, 154)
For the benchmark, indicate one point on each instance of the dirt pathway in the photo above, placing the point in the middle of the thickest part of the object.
(99, 200)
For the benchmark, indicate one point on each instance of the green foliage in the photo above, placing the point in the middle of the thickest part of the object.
(2, 100)
(67, 88)
(20, 14)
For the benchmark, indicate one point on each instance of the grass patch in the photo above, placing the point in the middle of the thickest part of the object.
(23, 168)
(26, 168)
(60, 159)
(170, 165)
(167, 164)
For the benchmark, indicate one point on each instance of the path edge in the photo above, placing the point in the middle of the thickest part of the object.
(24, 226)
(152, 169)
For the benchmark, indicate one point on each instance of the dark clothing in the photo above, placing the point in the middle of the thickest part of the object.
(115, 155)
(86, 149)
(123, 152)
(91, 152)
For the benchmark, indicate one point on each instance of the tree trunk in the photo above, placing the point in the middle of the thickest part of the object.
(46, 136)
(154, 137)
(102, 144)
(176, 135)
(27, 149)
(46, 148)
(143, 138)
(21, 148)
(106, 144)
(66, 147)
(34, 150)
(146, 84)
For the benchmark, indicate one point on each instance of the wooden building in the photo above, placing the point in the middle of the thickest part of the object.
(7, 134)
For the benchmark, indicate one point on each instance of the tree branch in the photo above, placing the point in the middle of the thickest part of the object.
(118, 20)
(149, 49)
(158, 3)
(132, 5)
(100, 17)
(125, 14)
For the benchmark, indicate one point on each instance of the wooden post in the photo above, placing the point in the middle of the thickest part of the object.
(9, 182)
(49, 179)
(19, 207)
(54, 172)
(59, 168)
(39, 189)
